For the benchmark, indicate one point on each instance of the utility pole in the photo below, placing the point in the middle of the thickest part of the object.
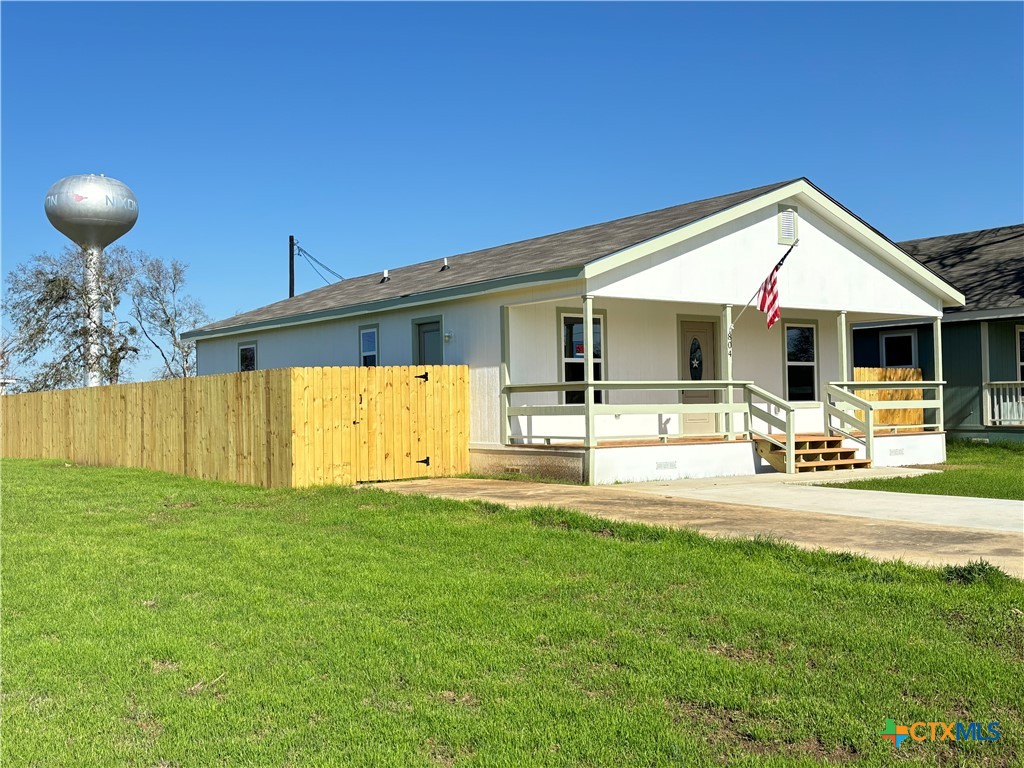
(291, 266)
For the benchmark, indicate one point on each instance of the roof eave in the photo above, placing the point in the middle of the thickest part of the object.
(466, 291)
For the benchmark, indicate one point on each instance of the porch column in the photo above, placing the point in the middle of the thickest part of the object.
(986, 400)
(844, 347)
(504, 375)
(937, 347)
(590, 438)
(726, 356)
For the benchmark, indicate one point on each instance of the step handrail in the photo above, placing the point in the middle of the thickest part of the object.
(750, 391)
(836, 397)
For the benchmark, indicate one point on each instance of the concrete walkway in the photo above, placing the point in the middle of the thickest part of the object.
(929, 530)
(803, 493)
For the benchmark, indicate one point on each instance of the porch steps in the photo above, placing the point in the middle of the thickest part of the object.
(811, 453)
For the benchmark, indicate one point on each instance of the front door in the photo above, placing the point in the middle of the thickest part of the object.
(698, 357)
(428, 343)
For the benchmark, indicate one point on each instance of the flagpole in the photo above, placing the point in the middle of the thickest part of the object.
(732, 325)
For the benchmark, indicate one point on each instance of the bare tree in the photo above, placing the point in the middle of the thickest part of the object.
(162, 311)
(8, 366)
(49, 308)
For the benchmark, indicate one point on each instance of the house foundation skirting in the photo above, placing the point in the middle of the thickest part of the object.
(643, 461)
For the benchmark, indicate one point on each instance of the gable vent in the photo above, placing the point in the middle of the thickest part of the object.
(787, 224)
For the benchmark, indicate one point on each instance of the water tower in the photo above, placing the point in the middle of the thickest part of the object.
(92, 211)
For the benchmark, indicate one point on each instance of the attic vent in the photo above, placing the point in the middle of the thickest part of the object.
(787, 224)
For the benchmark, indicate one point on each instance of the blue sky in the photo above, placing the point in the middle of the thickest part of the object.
(385, 134)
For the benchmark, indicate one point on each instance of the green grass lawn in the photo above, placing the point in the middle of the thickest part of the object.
(971, 469)
(153, 620)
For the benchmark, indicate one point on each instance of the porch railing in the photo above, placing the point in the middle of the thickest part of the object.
(787, 424)
(729, 405)
(853, 416)
(1004, 403)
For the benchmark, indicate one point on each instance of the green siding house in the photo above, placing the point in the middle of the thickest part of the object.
(982, 342)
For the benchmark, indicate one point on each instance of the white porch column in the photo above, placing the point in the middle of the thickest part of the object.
(504, 374)
(726, 356)
(590, 438)
(937, 347)
(844, 347)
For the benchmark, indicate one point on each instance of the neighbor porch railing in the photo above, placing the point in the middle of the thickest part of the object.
(855, 417)
(1004, 403)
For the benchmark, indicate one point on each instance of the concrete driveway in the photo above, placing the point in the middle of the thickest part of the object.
(929, 530)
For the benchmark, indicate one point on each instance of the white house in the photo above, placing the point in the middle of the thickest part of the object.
(659, 389)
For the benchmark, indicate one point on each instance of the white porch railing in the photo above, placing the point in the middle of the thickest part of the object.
(842, 407)
(737, 401)
(723, 410)
(787, 425)
(1004, 403)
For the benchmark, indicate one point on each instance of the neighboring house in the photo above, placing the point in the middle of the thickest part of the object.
(982, 342)
(659, 388)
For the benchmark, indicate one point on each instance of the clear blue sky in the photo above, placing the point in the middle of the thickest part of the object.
(385, 134)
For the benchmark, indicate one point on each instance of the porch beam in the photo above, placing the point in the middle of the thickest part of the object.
(590, 437)
(937, 347)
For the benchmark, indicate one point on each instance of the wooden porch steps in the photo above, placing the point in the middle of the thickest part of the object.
(811, 453)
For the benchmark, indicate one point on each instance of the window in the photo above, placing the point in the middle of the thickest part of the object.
(572, 355)
(368, 346)
(787, 224)
(426, 341)
(247, 356)
(899, 349)
(801, 362)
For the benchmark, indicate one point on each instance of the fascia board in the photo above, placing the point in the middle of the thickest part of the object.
(1007, 313)
(386, 305)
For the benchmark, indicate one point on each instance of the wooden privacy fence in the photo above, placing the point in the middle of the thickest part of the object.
(909, 416)
(275, 428)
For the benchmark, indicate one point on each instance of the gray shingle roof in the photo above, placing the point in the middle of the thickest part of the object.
(987, 266)
(573, 248)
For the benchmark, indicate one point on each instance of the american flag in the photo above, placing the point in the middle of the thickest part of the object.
(769, 303)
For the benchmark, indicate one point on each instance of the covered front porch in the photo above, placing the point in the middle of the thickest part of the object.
(666, 390)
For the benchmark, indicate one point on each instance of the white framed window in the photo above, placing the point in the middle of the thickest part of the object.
(801, 361)
(898, 349)
(247, 356)
(572, 339)
(1020, 352)
(788, 221)
(369, 345)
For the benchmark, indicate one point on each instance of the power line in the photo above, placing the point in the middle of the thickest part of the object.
(314, 262)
